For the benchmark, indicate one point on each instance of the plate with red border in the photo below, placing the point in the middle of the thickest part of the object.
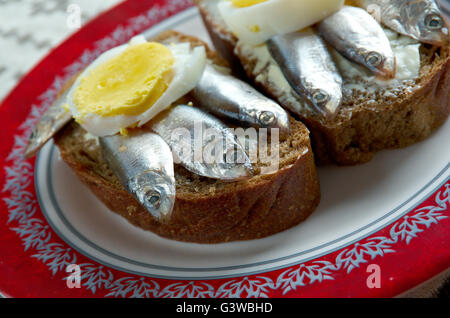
(388, 217)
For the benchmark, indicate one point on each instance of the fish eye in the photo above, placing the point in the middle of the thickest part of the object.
(320, 97)
(153, 198)
(373, 59)
(266, 118)
(434, 21)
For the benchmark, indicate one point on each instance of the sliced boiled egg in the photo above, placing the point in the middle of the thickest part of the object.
(129, 85)
(255, 21)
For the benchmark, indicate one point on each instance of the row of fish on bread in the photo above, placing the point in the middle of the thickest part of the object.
(143, 158)
(303, 56)
(147, 172)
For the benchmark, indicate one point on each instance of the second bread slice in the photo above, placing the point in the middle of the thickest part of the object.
(366, 123)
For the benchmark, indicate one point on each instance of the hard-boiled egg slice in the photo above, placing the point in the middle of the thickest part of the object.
(256, 21)
(130, 84)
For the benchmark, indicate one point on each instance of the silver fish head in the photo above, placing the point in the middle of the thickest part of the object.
(382, 65)
(143, 163)
(231, 164)
(228, 97)
(305, 62)
(421, 20)
(156, 192)
(200, 142)
(358, 36)
(326, 101)
(236, 163)
(432, 27)
(273, 117)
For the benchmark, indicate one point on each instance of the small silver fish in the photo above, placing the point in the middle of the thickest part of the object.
(225, 96)
(421, 20)
(357, 35)
(202, 143)
(143, 163)
(308, 67)
(54, 118)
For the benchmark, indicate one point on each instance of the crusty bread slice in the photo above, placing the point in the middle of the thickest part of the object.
(206, 210)
(365, 123)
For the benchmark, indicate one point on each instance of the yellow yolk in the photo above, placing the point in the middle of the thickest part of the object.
(246, 3)
(127, 84)
(255, 28)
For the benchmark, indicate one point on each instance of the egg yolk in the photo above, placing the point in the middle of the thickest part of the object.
(127, 84)
(246, 3)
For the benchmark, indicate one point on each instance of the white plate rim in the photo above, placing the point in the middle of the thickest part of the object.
(43, 172)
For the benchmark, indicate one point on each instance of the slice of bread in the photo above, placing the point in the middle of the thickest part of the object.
(207, 210)
(367, 122)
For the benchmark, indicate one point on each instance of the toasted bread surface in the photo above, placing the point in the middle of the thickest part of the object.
(364, 124)
(207, 210)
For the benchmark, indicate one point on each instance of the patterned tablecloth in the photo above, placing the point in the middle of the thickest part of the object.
(29, 29)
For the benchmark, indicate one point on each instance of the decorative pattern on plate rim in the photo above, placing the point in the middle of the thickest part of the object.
(37, 236)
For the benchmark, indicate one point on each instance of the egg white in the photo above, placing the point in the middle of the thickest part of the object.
(187, 70)
(258, 23)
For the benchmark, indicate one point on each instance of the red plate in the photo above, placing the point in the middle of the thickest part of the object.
(409, 247)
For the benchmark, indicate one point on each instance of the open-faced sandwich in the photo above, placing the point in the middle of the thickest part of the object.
(163, 133)
(360, 83)
(129, 124)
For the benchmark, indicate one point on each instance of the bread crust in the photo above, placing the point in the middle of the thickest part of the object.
(357, 132)
(260, 206)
